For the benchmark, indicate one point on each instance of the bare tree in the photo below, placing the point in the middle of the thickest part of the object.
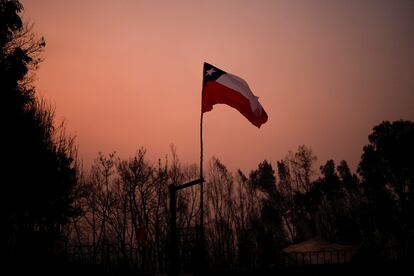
(301, 168)
(221, 216)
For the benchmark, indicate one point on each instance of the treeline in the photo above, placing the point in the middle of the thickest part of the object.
(250, 218)
(38, 165)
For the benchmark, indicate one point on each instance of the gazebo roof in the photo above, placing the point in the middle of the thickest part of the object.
(317, 244)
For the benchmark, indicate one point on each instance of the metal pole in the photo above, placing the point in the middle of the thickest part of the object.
(201, 243)
(201, 183)
(201, 168)
(173, 228)
(201, 246)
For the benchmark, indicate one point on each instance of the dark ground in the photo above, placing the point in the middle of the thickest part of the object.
(84, 269)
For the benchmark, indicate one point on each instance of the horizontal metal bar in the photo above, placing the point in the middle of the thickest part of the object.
(189, 184)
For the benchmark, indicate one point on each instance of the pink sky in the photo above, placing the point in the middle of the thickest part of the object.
(126, 74)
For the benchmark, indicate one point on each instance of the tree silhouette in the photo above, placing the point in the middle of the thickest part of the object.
(249, 220)
(270, 231)
(334, 203)
(387, 170)
(38, 171)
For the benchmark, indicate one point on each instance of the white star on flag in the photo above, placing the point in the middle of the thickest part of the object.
(210, 72)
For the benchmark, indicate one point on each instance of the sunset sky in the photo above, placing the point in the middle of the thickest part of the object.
(128, 73)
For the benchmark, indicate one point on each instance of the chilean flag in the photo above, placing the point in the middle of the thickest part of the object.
(220, 87)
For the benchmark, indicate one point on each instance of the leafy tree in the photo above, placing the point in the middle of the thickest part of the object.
(387, 170)
(334, 203)
(270, 231)
(38, 168)
(264, 179)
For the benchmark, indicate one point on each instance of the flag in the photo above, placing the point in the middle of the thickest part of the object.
(220, 87)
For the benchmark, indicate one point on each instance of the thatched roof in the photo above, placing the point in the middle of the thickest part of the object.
(317, 244)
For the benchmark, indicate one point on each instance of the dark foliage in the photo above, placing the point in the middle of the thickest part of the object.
(38, 169)
(387, 170)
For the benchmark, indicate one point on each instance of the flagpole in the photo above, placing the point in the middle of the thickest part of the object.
(201, 176)
(201, 183)
(201, 244)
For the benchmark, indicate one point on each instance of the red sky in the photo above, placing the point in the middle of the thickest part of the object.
(126, 74)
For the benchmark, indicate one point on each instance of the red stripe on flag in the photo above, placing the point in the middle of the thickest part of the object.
(216, 93)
